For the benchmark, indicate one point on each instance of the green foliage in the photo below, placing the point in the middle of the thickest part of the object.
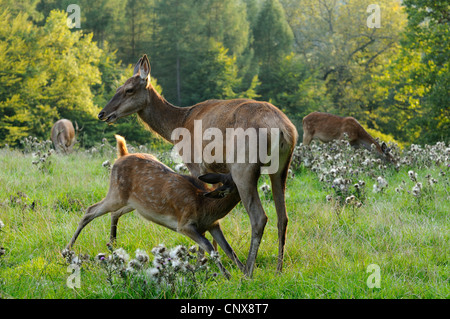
(46, 73)
(273, 40)
(295, 90)
(301, 55)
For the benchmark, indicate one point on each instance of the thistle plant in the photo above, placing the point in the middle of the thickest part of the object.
(32, 144)
(175, 271)
(342, 169)
(41, 152)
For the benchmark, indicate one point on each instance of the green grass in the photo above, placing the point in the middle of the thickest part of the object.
(328, 247)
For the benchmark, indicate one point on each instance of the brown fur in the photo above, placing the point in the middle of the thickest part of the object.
(181, 203)
(137, 95)
(63, 136)
(328, 127)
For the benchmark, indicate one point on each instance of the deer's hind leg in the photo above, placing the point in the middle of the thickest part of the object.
(278, 181)
(115, 219)
(101, 208)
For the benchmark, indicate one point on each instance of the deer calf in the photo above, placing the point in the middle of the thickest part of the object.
(181, 203)
(327, 127)
(63, 136)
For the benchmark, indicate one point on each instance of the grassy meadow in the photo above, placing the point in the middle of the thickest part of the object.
(331, 239)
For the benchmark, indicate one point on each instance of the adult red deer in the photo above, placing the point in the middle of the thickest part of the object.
(327, 127)
(179, 202)
(63, 136)
(137, 95)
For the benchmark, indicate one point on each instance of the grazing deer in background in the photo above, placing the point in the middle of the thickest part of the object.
(179, 202)
(63, 136)
(327, 127)
(137, 95)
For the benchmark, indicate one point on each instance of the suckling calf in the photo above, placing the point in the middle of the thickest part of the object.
(182, 203)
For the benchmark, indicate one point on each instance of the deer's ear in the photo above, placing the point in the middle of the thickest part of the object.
(211, 178)
(136, 67)
(144, 67)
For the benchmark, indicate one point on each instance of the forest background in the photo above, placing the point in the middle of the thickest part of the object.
(301, 55)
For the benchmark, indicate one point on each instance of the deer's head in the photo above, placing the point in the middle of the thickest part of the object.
(228, 186)
(387, 156)
(131, 97)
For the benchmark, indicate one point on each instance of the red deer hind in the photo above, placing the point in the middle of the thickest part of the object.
(328, 127)
(137, 95)
(63, 136)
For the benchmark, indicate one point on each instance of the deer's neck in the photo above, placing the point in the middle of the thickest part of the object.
(367, 140)
(161, 116)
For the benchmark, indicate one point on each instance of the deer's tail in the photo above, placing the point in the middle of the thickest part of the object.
(121, 146)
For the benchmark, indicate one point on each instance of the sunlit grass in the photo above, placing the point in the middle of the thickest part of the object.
(328, 246)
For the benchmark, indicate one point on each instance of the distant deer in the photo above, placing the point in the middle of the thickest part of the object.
(137, 95)
(328, 127)
(179, 202)
(63, 136)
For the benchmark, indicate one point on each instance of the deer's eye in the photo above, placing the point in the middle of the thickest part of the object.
(129, 91)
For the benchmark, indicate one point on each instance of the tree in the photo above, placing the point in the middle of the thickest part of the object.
(428, 33)
(272, 42)
(186, 55)
(414, 85)
(297, 91)
(335, 40)
(45, 73)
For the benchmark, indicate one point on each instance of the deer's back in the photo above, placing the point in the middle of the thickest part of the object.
(327, 127)
(153, 189)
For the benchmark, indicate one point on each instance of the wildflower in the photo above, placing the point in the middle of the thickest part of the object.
(179, 252)
(159, 250)
(153, 272)
(122, 255)
(180, 168)
(134, 264)
(412, 175)
(100, 257)
(1, 225)
(265, 188)
(338, 181)
(329, 198)
(350, 199)
(177, 265)
(382, 182)
(417, 189)
(193, 249)
(141, 256)
(106, 164)
(158, 262)
(376, 188)
(215, 255)
(2, 251)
